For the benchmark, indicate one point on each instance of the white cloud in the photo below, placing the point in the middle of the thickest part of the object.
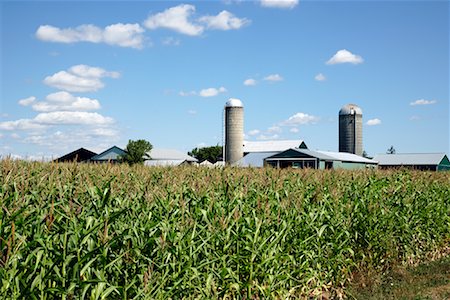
(250, 82)
(171, 41)
(422, 102)
(192, 112)
(92, 72)
(64, 101)
(274, 129)
(73, 83)
(123, 35)
(294, 130)
(79, 78)
(186, 94)
(345, 56)
(72, 118)
(300, 119)
(274, 78)
(373, 122)
(415, 118)
(21, 124)
(15, 136)
(254, 132)
(27, 101)
(175, 18)
(224, 21)
(211, 92)
(287, 4)
(320, 77)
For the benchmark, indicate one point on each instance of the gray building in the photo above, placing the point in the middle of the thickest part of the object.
(417, 161)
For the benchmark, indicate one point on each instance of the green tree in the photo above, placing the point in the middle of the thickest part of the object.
(391, 150)
(136, 152)
(212, 153)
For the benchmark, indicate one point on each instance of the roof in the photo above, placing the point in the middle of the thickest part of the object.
(254, 159)
(233, 102)
(112, 153)
(350, 109)
(272, 146)
(409, 159)
(169, 154)
(328, 156)
(349, 157)
(77, 155)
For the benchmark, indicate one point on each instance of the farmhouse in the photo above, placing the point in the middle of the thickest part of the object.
(417, 161)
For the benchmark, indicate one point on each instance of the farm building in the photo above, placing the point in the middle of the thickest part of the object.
(304, 158)
(272, 146)
(418, 161)
(79, 155)
(256, 152)
(110, 155)
(168, 157)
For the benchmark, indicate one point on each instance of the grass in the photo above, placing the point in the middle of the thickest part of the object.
(74, 231)
(430, 280)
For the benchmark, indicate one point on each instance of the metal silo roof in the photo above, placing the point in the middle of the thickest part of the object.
(233, 102)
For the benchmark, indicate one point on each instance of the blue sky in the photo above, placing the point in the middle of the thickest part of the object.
(96, 74)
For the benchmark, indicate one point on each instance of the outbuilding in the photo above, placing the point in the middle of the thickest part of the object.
(417, 161)
(169, 157)
(79, 155)
(111, 155)
(304, 158)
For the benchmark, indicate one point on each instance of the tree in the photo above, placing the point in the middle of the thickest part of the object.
(136, 152)
(391, 150)
(212, 153)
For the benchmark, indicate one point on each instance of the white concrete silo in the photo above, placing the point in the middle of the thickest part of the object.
(233, 131)
(350, 129)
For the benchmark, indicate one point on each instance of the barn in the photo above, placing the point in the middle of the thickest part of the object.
(79, 155)
(417, 161)
(304, 158)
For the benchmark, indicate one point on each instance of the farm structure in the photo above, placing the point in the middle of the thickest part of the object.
(304, 158)
(417, 161)
(79, 155)
(256, 152)
(168, 157)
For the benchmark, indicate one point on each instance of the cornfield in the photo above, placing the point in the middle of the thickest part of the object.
(79, 231)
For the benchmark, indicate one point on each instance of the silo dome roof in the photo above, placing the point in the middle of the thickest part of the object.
(350, 109)
(233, 102)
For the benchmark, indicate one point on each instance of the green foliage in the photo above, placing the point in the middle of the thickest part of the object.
(136, 151)
(212, 154)
(77, 231)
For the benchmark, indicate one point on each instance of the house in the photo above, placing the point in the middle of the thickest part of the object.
(304, 158)
(79, 155)
(111, 155)
(417, 161)
(168, 157)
